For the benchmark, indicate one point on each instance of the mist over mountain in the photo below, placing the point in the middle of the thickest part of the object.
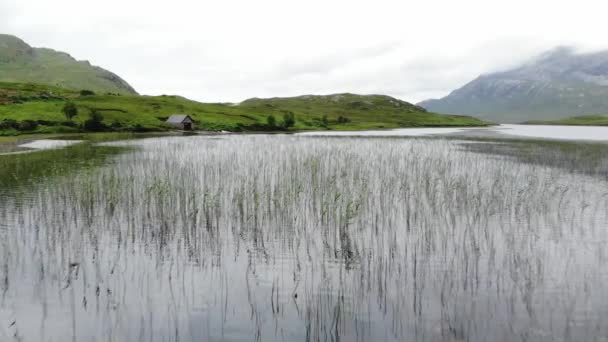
(22, 63)
(557, 84)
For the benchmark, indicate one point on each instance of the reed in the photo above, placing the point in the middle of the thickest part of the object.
(308, 238)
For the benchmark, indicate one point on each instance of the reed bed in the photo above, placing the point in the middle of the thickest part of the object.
(284, 238)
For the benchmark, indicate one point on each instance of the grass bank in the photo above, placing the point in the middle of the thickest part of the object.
(38, 109)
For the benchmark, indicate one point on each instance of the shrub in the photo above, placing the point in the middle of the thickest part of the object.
(288, 119)
(271, 121)
(116, 125)
(138, 128)
(9, 124)
(95, 122)
(86, 92)
(343, 120)
(68, 124)
(47, 123)
(325, 121)
(27, 125)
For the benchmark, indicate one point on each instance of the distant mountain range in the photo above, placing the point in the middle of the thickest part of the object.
(558, 84)
(21, 63)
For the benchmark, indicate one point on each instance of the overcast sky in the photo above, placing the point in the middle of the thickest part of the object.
(230, 50)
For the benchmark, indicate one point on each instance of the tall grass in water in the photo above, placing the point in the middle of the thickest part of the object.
(318, 239)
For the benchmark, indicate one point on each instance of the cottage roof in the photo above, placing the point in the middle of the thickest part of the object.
(178, 118)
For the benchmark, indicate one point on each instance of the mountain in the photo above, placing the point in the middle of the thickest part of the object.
(557, 84)
(22, 63)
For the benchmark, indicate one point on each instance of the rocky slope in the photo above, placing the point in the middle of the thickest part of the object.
(558, 84)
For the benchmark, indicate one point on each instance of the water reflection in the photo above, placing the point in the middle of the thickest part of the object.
(297, 238)
(593, 133)
(597, 133)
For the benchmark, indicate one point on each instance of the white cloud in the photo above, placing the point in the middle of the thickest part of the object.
(234, 49)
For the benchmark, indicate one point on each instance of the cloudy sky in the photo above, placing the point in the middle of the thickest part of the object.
(230, 50)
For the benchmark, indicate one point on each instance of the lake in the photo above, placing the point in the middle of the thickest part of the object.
(305, 238)
(553, 132)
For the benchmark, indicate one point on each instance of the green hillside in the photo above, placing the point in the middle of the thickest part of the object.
(358, 111)
(585, 120)
(23, 106)
(21, 63)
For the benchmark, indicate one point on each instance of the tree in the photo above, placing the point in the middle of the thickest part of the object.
(70, 110)
(86, 92)
(325, 121)
(271, 121)
(288, 119)
(95, 122)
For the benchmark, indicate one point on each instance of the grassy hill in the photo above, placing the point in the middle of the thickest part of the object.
(585, 120)
(351, 111)
(25, 105)
(19, 62)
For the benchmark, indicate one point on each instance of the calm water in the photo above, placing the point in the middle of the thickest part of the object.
(389, 132)
(44, 144)
(592, 133)
(283, 238)
(597, 133)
